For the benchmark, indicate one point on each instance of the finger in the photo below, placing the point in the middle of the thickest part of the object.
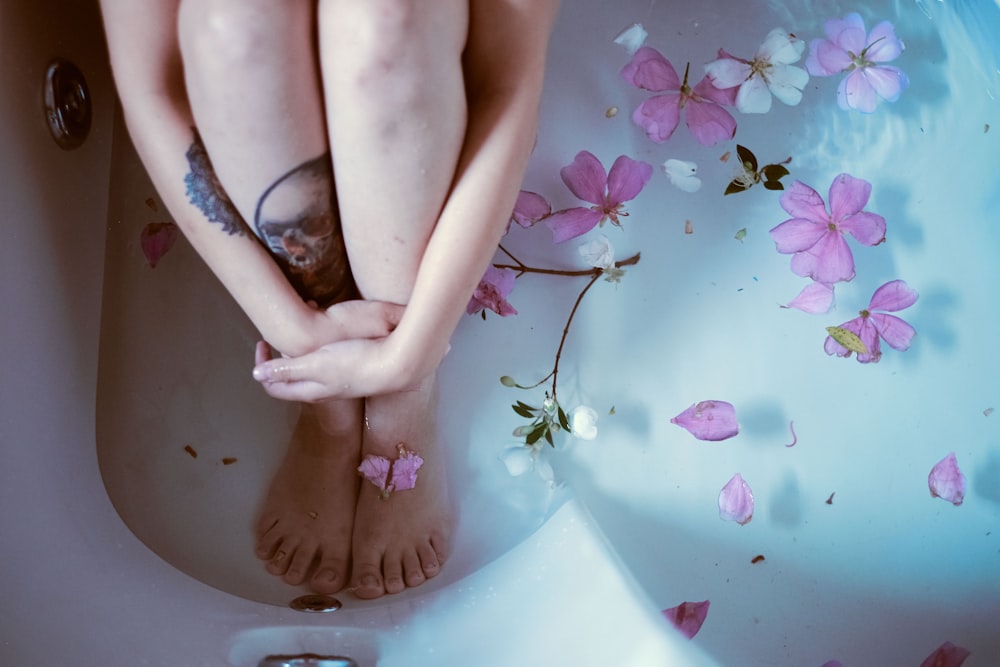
(290, 370)
(299, 392)
(262, 353)
(369, 319)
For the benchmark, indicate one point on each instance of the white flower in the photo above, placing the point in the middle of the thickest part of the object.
(583, 422)
(598, 253)
(682, 175)
(632, 37)
(770, 72)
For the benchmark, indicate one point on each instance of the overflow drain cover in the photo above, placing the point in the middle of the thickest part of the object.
(315, 603)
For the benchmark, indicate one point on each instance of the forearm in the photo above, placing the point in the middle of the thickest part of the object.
(147, 70)
(504, 98)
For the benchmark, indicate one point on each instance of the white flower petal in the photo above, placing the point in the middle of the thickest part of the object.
(727, 72)
(780, 46)
(598, 253)
(754, 97)
(583, 422)
(518, 459)
(787, 82)
(682, 174)
(632, 37)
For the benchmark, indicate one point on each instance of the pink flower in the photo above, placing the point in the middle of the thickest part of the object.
(608, 192)
(871, 326)
(530, 208)
(492, 293)
(399, 474)
(769, 73)
(688, 617)
(709, 420)
(848, 49)
(946, 655)
(815, 238)
(736, 501)
(946, 481)
(659, 115)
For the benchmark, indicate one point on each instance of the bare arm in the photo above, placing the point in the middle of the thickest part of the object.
(146, 58)
(504, 63)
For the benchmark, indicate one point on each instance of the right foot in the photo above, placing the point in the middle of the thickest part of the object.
(304, 528)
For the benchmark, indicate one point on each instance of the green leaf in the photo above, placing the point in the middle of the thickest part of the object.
(563, 420)
(548, 438)
(774, 185)
(741, 234)
(527, 414)
(537, 433)
(848, 339)
(747, 158)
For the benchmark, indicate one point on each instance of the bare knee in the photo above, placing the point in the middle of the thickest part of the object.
(222, 36)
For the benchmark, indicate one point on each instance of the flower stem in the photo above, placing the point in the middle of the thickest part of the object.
(523, 268)
(569, 321)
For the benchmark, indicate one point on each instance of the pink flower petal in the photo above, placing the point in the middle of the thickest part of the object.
(797, 235)
(894, 331)
(826, 58)
(887, 81)
(815, 298)
(946, 655)
(709, 123)
(492, 292)
(375, 469)
(709, 420)
(848, 195)
(736, 501)
(883, 45)
(586, 178)
(946, 481)
(404, 470)
(856, 92)
(572, 222)
(893, 296)
(156, 239)
(530, 208)
(658, 116)
(829, 261)
(847, 33)
(649, 70)
(706, 91)
(801, 201)
(688, 617)
(627, 178)
(867, 228)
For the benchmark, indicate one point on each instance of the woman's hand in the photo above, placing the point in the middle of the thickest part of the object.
(352, 368)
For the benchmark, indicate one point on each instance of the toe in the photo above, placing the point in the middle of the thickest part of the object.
(392, 571)
(429, 563)
(368, 580)
(330, 575)
(413, 574)
(299, 564)
(267, 544)
(282, 558)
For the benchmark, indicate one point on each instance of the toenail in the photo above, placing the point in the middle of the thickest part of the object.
(369, 581)
(280, 556)
(327, 576)
(313, 515)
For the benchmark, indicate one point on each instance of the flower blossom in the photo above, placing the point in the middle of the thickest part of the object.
(583, 422)
(848, 48)
(871, 326)
(815, 238)
(492, 293)
(598, 253)
(659, 116)
(607, 191)
(770, 72)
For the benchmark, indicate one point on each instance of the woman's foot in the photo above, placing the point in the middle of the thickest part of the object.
(401, 540)
(305, 525)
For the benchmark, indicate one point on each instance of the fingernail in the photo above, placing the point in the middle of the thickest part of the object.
(260, 374)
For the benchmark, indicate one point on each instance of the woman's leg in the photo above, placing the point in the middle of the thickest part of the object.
(252, 77)
(396, 112)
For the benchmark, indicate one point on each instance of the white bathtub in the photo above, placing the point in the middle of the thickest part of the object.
(882, 575)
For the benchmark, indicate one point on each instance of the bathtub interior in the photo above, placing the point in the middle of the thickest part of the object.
(880, 574)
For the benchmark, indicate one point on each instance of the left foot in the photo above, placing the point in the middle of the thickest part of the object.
(402, 540)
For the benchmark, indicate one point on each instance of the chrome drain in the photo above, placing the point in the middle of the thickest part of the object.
(315, 604)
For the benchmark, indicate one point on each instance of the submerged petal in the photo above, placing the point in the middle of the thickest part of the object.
(598, 253)
(709, 420)
(583, 422)
(649, 70)
(736, 501)
(518, 459)
(688, 617)
(946, 655)
(848, 33)
(627, 178)
(156, 239)
(586, 178)
(826, 58)
(572, 222)
(659, 116)
(815, 298)
(946, 481)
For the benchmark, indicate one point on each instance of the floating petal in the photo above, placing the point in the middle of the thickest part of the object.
(156, 239)
(492, 292)
(649, 70)
(598, 252)
(586, 178)
(659, 116)
(736, 501)
(375, 469)
(709, 420)
(632, 37)
(682, 174)
(946, 655)
(404, 470)
(815, 298)
(530, 208)
(573, 222)
(583, 422)
(627, 178)
(688, 617)
(946, 481)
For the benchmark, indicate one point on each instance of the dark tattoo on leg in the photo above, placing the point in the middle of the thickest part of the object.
(205, 191)
(298, 221)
